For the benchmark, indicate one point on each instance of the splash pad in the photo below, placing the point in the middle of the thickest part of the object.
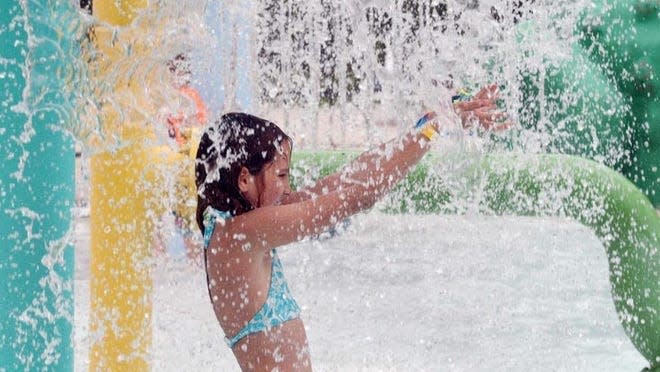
(625, 222)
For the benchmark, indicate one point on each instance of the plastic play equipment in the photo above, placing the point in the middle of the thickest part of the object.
(120, 280)
(554, 185)
(604, 100)
(623, 37)
(577, 108)
(128, 186)
(36, 186)
(120, 226)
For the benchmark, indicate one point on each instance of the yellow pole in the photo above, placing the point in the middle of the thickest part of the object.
(120, 282)
(120, 278)
(118, 13)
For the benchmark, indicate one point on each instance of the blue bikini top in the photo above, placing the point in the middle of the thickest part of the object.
(279, 307)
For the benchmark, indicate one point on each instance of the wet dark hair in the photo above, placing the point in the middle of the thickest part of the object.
(236, 140)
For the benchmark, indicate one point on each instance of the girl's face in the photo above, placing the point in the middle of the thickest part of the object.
(271, 185)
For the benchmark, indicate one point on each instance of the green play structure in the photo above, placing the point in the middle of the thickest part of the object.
(624, 38)
(603, 102)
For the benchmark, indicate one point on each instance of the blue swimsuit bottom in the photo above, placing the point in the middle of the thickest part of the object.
(279, 306)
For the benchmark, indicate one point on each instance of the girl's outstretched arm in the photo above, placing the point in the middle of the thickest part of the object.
(265, 228)
(400, 154)
(384, 165)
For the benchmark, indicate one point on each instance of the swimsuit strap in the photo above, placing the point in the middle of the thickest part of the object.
(211, 216)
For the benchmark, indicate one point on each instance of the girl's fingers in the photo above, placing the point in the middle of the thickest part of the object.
(502, 126)
(473, 104)
(490, 115)
(497, 126)
(488, 92)
(482, 111)
(490, 121)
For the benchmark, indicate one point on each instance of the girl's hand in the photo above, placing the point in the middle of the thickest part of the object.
(481, 110)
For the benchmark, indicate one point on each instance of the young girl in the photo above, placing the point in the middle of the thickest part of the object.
(246, 209)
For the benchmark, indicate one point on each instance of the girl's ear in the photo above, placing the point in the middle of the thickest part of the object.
(245, 180)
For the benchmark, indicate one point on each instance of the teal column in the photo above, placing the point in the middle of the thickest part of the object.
(36, 185)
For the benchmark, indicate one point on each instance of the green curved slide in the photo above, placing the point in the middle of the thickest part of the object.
(551, 185)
